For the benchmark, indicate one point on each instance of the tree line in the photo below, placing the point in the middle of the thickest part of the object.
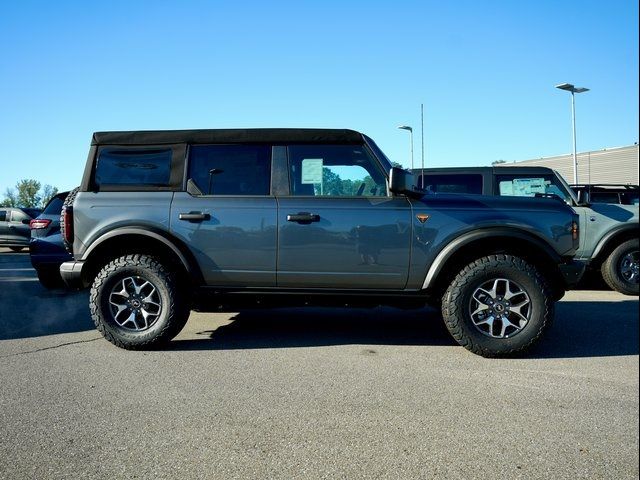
(28, 193)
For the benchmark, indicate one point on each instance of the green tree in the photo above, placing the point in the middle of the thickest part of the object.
(10, 199)
(27, 193)
(48, 192)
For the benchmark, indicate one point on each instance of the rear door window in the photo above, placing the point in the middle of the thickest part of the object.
(18, 216)
(3, 215)
(230, 169)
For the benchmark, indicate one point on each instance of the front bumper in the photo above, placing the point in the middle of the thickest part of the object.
(572, 272)
(71, 273)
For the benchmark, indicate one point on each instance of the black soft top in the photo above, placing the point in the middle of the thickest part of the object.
(242, 135)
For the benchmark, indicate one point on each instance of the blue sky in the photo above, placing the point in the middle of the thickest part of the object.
(485, 72)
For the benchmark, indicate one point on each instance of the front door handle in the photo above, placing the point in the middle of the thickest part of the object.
(194, 216)
(303, 217)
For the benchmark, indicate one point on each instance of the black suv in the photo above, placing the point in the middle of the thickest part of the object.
(166, 221)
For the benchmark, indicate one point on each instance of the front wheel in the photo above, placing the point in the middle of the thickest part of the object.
(498, 306)
(621, 269)
(136, 303)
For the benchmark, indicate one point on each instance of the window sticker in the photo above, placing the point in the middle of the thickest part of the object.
(528, 186)
(311, 171)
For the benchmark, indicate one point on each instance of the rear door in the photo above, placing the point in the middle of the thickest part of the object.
(338, 228)
(19, 232)
(227, 216)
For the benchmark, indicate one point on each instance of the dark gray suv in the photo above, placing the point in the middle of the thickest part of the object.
(167, 221)
(14, 227)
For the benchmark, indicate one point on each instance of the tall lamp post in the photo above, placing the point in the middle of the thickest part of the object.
(410, 130)
(573, 89)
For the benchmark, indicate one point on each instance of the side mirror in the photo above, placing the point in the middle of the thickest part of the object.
(583, 198)
(401, 182)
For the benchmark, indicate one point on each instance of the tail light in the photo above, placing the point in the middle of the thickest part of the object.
(67, 225)
(39, 223)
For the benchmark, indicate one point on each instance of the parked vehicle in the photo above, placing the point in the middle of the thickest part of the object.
(46, 246)
(14, 227)
(608, 214)
(609, 193)
(166, 221)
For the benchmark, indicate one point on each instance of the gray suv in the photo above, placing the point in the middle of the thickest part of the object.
(168, 221)
(608, 219)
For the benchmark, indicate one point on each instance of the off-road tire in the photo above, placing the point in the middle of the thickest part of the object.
(173, 313)
(68, 203)
(457, 298)
(611, 268)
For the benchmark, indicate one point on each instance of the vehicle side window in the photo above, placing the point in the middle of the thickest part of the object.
(521, 186)
(230, 169)
(144, 167)
(3, 215)
(335, 171)
(446, 183)
(54, 207)
(604, 197)
(18, 216)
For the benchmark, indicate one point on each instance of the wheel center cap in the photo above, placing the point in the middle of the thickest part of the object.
(135, 303)
(498, 307)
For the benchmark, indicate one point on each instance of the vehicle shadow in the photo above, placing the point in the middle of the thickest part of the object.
(29, 310)
(315, 327)
(581, 329)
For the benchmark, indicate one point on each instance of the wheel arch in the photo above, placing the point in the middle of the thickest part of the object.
(471, 246)
(144, 240)
(610, 241)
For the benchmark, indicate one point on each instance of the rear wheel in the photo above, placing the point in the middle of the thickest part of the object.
(621, 269)
(498, 305)
(136, 302)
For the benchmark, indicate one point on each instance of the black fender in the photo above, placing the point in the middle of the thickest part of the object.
(603, 244)
(483, 234)
(173, 244)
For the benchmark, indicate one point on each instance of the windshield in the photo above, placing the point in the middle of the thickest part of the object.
(566, 186)
(386, 163)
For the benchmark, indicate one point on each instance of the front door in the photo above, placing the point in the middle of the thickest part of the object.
(338, 228)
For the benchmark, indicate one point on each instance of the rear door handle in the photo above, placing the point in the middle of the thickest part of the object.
(303, 217)
(194, 216)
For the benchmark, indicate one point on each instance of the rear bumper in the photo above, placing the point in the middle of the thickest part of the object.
(71, 273)
(572, 272)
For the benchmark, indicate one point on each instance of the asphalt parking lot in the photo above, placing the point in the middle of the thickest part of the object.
(314, 393)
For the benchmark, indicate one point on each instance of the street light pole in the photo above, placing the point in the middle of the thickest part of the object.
(410, 130)
(573, 89)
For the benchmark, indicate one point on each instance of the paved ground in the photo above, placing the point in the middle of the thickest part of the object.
(312, 394)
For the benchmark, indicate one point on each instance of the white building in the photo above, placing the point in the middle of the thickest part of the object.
(611, 165)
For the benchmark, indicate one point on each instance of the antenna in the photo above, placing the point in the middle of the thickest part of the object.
(422, 129)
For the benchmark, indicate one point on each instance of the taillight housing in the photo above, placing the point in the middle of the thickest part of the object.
(67, 223)
(39, 223)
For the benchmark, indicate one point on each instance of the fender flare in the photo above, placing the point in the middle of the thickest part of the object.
(463, 240)
(182, 254)
(604, 241)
